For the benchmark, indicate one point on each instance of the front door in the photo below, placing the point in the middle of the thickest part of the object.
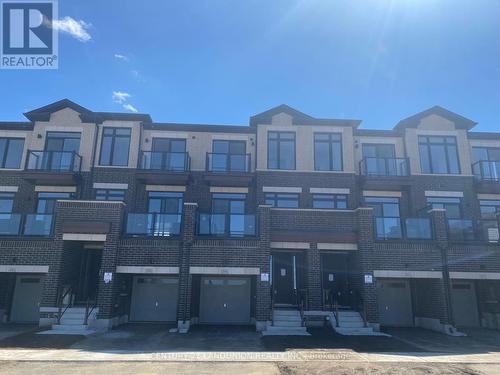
(284, 278)
(88, 277)
(335, 278)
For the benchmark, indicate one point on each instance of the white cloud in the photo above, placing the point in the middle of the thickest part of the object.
(121, 57)
(77, 29)
(120, 96)
(130, 107)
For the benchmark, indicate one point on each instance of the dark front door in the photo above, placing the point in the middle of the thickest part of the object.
(284, 278)
(88, 277)
(335, 274)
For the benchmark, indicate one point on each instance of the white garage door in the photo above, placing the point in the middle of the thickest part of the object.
(154, 299)
(26, 301)
(394, 303)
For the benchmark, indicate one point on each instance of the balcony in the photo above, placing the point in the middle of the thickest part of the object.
(488, 171)
(153, 224)
(395, 228)
(53, 167)
(164, 167)
(28, 225)
(223, 169)
(465, 230)
(10, 224)
(385, 167)
(227, 225)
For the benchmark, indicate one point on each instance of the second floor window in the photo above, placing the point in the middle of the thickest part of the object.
(338, 201)
(387, 216)
(281, 150)
(47, 201)
(110, 195)
(165, 202)
(6, 202)
(486, 162)
(115, 147)
(438, 155)
(451, 205)
(282, 200)
(11, 152)
(327, 152)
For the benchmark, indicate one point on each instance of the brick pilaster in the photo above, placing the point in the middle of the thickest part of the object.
(314, 278)
(263, 288)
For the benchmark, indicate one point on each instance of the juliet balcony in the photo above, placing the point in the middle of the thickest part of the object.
(233, 169)
(53, 167)
(395, 228)
(227, 225)
(486, 171)
(37, 225)
(385, 167)
(163, 167)
(153, 225)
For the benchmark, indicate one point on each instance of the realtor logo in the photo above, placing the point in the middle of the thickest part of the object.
(28, 40)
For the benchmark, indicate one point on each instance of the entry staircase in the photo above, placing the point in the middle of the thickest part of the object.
(351, 323)
(73, 320)
(286, 322)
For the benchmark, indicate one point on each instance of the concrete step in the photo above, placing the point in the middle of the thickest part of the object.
(285, 331)
(68, 327)
(351, 325)
(284, 323)
(286, 313)
(350, 319)
(365, 331)
(287, 317)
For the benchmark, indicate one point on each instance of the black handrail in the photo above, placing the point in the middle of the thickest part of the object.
(88, 310)
(228, 167)
(60, 301)
(163, 161)
(48, 161)
(487, 170)
(391, 167)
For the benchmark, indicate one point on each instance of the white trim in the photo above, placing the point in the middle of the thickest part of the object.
(165, 134)
(9, 189)
(83, 237)
(312, 209)
(225, 270)
(110, 185)
(475, 275)
(173, 188)
(281, 189)
(445, 194)
(408, 274)
(233, 190)
(148, 270)
(329, 191)
(290, 245)
(379, 193)
(337, 246)
(443, 174)
(56, 189)
(236, 137)
(488, 196)
(24, 269)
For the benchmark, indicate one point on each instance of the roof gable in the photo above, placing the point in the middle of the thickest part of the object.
(43, 113)
(414, 121)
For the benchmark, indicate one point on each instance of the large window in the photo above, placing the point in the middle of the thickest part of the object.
(451, 205)
(338, 201)
(165, 202)
(281, 150)
(11, 152)
(110, 195)
(439, 155)
(327, 152)
(47, 201)
(6, 202)
(115, 147)
(486, 163)
(228, 156)
(282, 200)
(387, 217)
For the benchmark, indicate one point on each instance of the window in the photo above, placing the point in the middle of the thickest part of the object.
(47, 201)
(282, 200)
(329, 201)
(63, 142)
(485, 153)
(11, 152)
(486, 162)
(115, 147)
(489, 208)
(6, 202)
(327, 152)
(228, 156)
(281, 150)
(439, 155)
(165, 202)
(387, 217)
(379, 151)
(228, 203)
(228, 211)
(451, 205)
(109, 195)
(169, 154)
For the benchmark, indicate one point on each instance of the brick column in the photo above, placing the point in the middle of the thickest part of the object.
(314, 278)
(188, 232)
(366, 251)
(440, 231)
(263, 288)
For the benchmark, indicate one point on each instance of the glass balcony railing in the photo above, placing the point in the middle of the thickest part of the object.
(165, 161)
(153, 224)
(227, 225)
(385, 167)
(228, 163)
(10, 224)
(486, 170)
(395, 228)
(472, 230)
(38, 225)
(53, 161)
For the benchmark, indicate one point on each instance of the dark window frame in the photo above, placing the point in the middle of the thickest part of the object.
(278, 148)
(325, 198)
(276, 197)
(107, 193)
(331, 142)
(3, 158)
(7, 196)
(51, 196)
(427, 143)
(447, 201)
(163, 196)
(112, 146)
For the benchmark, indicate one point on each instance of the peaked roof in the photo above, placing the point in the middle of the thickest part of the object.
(413, 121)
(43, 113)
(298, 118)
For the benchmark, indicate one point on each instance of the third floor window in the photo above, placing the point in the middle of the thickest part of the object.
(327, 152)
(11, 152)
(281, 150)
(228, 156)
(439, 155)
(115, 147)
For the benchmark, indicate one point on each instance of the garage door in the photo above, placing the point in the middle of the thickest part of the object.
(225, 300)
(464, 304)
(154, 299)
(26, 300)
(394, 303)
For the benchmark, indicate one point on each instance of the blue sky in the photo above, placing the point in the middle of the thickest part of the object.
(214, 61)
